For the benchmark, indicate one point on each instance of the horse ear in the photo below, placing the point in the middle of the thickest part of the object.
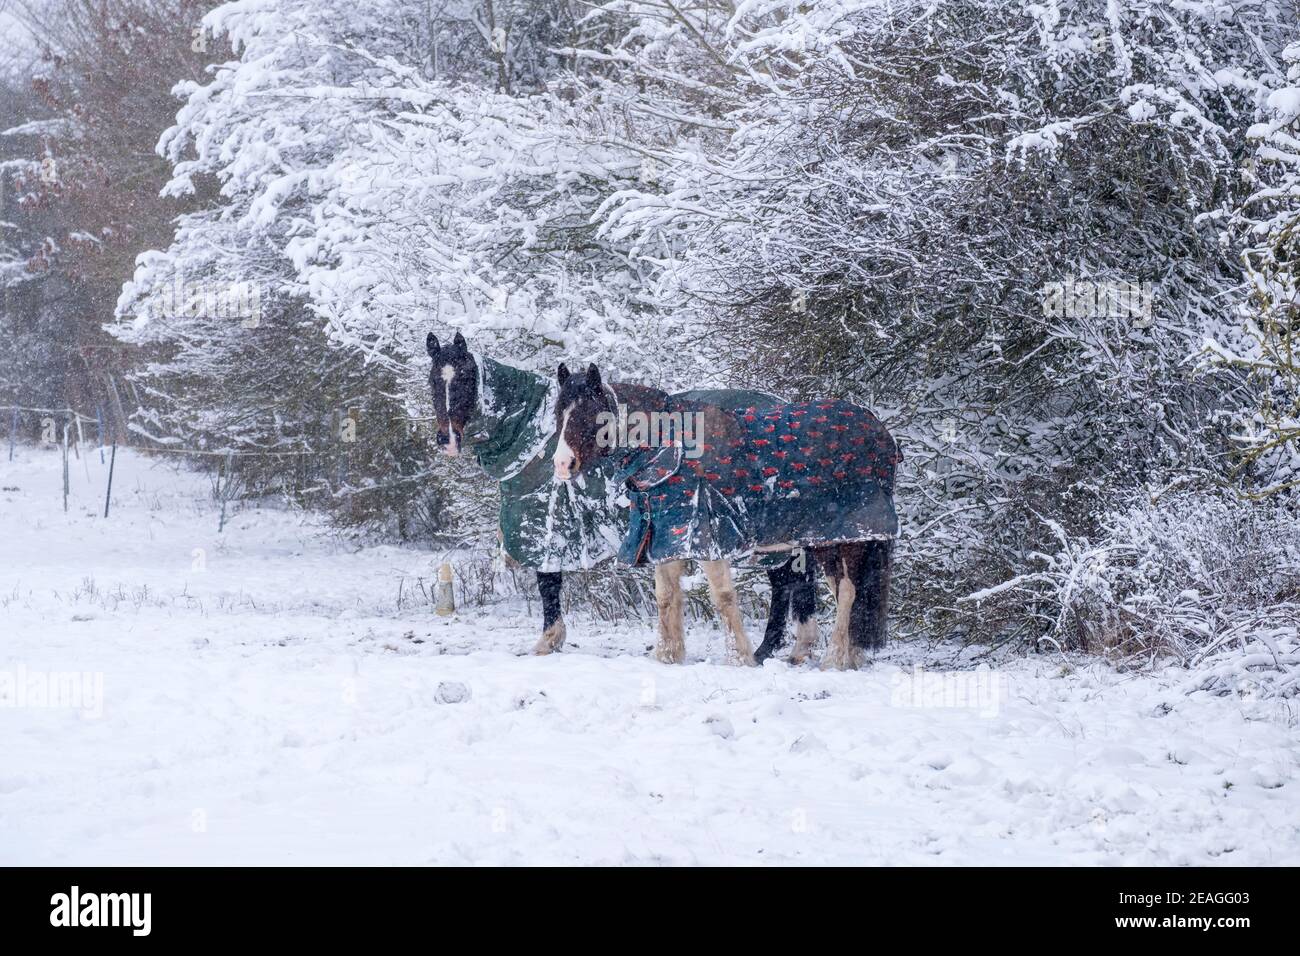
(459, 340)
(431, 344)
(562, 373)
(593, 375)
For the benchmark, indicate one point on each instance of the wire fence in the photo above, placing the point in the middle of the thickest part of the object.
(58, 426)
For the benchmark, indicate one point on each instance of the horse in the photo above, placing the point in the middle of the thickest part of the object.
(501, 415)
(713, 483)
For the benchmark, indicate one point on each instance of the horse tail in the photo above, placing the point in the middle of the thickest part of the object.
(871, 604)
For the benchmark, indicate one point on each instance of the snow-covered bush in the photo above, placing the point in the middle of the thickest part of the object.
(1194, 576)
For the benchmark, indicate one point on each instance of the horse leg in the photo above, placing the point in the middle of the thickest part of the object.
(723, 594)
(781, 581)
(842, 564)
(553, 633)
(871, 607)
(803, 601)
(671, 648)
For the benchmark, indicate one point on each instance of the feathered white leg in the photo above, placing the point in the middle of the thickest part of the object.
(842, 655)
(723, 594)
(671, 648)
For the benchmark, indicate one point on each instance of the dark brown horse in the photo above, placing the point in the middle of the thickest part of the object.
(710, 483)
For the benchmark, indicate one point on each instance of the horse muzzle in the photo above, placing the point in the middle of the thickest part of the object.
(566, 467)
(450, 443)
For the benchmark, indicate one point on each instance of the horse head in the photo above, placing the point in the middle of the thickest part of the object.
(454, 383)
(586, 409)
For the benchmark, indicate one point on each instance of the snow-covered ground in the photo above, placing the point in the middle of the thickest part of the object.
(265, 699)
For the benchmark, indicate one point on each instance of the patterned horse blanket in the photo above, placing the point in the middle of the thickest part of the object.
(549, 525)
(768, 476)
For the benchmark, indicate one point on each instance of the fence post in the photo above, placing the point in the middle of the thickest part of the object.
(65, 468)
(224, 492)
(81, 440)
(117, 404)
(99, 421)
(13, 431)
(111, 462)
(444, 599)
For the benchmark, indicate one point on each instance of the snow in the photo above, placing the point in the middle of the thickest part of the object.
(267, 700)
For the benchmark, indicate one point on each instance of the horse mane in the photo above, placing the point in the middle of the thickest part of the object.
(642, 398)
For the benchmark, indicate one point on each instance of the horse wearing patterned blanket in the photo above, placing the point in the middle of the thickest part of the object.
(815, 476)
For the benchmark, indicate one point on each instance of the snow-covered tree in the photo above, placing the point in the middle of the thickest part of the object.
(1267, 342)
(82, 182)
(387, 199)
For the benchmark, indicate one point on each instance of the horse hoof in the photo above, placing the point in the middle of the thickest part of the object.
(849, 659)
(670, 655)
(552, 640)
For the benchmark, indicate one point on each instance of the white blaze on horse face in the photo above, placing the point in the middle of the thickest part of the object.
(564, 458)
(452, 448)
